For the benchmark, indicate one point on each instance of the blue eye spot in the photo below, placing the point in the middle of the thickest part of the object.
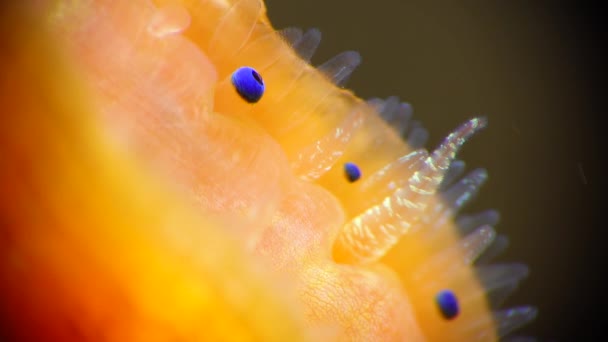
(248, 84)
(352, 172)
(448, 304)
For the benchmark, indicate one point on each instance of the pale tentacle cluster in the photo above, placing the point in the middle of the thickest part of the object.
(404, 205)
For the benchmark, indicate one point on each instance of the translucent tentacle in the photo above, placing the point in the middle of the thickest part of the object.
(454, 172)
(418, 135)
(394, 112)
(291, 34)
(368, 236)
(308, 43)
(450, 261)
(511, 319)
(495, 249)
(339, 68)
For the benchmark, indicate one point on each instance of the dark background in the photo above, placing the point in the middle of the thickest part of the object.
(535, 69)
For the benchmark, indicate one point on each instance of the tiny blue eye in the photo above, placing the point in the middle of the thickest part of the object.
(448, 304)
(352, 172)
(248, 83)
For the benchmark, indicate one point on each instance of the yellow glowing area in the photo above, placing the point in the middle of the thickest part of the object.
(95, 247)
